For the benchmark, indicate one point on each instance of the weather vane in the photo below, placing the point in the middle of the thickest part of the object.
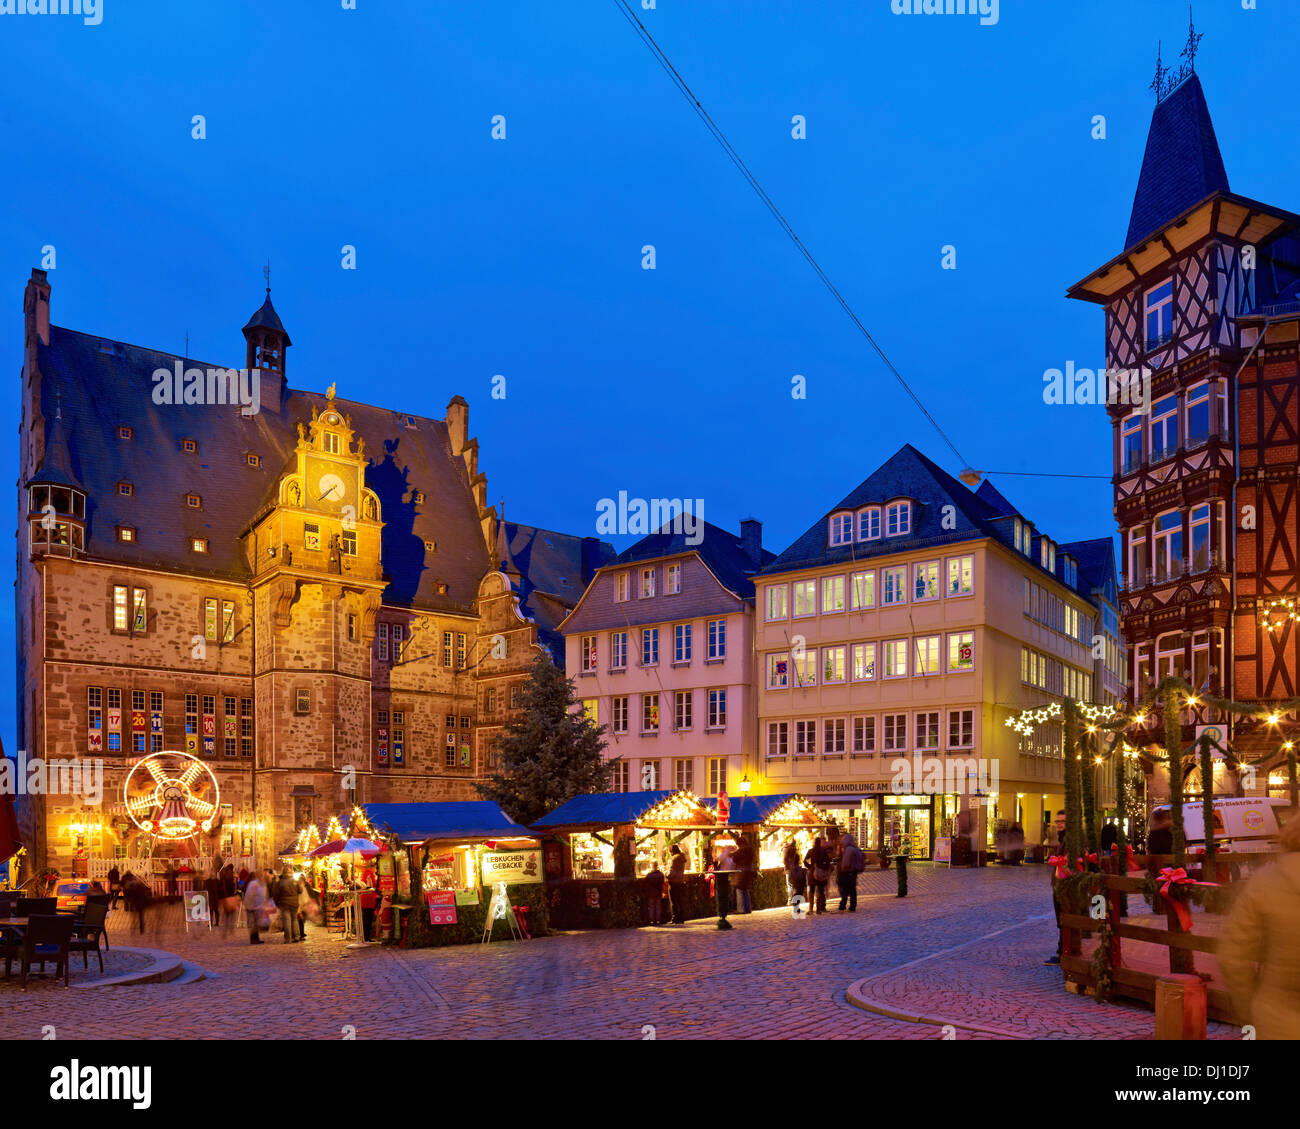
(266, 271)
(1166, 80)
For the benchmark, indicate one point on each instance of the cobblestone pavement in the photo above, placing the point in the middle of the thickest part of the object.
(772, 976)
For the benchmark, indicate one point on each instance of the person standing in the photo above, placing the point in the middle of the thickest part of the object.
(723, 868)
(1056, 898)
(852, 862)
(229, 898)
(1257, 951)
(1160, 840)
(796, 878)
(307, 902)
(677, 884)
(114, 885)
(654, 894)
(255, 907)
(212, 888)
(286, 901)
(818, 862)
(744, 862)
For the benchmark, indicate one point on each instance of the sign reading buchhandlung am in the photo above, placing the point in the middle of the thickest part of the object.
(512, 866)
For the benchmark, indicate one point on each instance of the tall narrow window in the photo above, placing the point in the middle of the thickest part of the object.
(227, 621)
(1130, 440)
(869, 524)
(717, 639)
(898, 519)
(1159, 314)
(1164, 428)
(210, 619)
(841, 529)
(1167, 534)
(1200, 537)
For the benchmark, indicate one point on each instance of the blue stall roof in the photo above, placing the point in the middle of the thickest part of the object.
(606, 809)
(468, 819)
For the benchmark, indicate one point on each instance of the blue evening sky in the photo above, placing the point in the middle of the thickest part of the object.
(522, 257)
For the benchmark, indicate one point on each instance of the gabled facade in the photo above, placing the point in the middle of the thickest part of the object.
(915, 617)
(660, 648)
(1204, 298)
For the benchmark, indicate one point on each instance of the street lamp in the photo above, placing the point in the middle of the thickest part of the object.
(745, 784)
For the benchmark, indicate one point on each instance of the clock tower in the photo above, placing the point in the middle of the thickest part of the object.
(314, 551)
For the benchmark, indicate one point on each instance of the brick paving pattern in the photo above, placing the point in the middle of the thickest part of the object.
(772, 976)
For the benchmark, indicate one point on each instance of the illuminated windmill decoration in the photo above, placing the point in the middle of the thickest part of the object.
(171, 795)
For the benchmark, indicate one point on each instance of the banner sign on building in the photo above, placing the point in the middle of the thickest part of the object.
(512, 866)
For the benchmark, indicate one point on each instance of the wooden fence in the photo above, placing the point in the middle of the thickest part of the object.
(1137, 978)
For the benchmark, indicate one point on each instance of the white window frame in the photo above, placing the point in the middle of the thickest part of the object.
(958, 638)
(898, 519)
(776, 680)
(863, 656)
(834, 664)
(963, 569)
(925, 573)
(928, 656)
(1163, 308)
(717, 715)
(646, 589)
(862, 590)
(840, 529)
(898, 572)
(673, 578)
(869, 524)
(622, 587)
(832, 594)
(618, 650)
(864, 736)
(588, 654)
(834, 736)
(778, 736)
(891, 649)
(773, 590)
(804, 593)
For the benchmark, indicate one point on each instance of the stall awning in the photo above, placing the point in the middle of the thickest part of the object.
(599, 810)
(786, 809)
(469, 820)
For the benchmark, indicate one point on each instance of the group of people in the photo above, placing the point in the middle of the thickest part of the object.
(808, 878)
(287, 896)
(260, 893)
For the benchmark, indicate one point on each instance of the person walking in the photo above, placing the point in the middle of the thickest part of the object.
(677, 884)
(851, 864)
(818, 861)
(286, 901)
(1160, 840)
(744, 881)
(308, 905)
(255, 907)
(114, 885)
(1056, 898)
(137, 896)
(654, 894)
(796, 878)
(212, 888)
(229, 898)
(1257, 950)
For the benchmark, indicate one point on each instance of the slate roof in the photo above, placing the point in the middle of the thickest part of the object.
(721, 550)
(907, 474)
(1182, 164)
(464, 819)
(268, 318)
(550, 571)
(101, 384)
(993, 496)
(1096, 560)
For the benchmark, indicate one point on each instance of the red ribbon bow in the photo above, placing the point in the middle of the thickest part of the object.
(1177, 876)
(1062, 864)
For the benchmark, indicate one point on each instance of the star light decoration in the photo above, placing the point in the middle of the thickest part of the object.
(1284, 607)
(681, 809)
(1026, 720)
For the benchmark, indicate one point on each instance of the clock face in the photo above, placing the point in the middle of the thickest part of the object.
(331, 488)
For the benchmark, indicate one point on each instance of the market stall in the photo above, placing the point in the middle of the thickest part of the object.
(451, 857)
(776, 821)
(624, 834)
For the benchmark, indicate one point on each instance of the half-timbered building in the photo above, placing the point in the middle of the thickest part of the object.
(1201, 312)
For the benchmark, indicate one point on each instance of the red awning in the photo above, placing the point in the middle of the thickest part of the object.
(10, 844)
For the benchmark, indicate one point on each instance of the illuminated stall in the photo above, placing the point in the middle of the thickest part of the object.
(622, 834)
(452, 849)
(776, 821)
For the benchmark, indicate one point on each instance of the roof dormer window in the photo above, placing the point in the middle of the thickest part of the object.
(841, 529)
(869, 524)
(198, 544)
(124, 432)
(189, 446)
(126, 489)
(194, 501)
(253, 460)
(125, 533)
(898, 519)
(329, 442)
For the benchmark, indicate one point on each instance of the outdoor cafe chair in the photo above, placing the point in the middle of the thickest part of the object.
(28, 907)
(45, 941)
(8, 900)
(87, 932)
